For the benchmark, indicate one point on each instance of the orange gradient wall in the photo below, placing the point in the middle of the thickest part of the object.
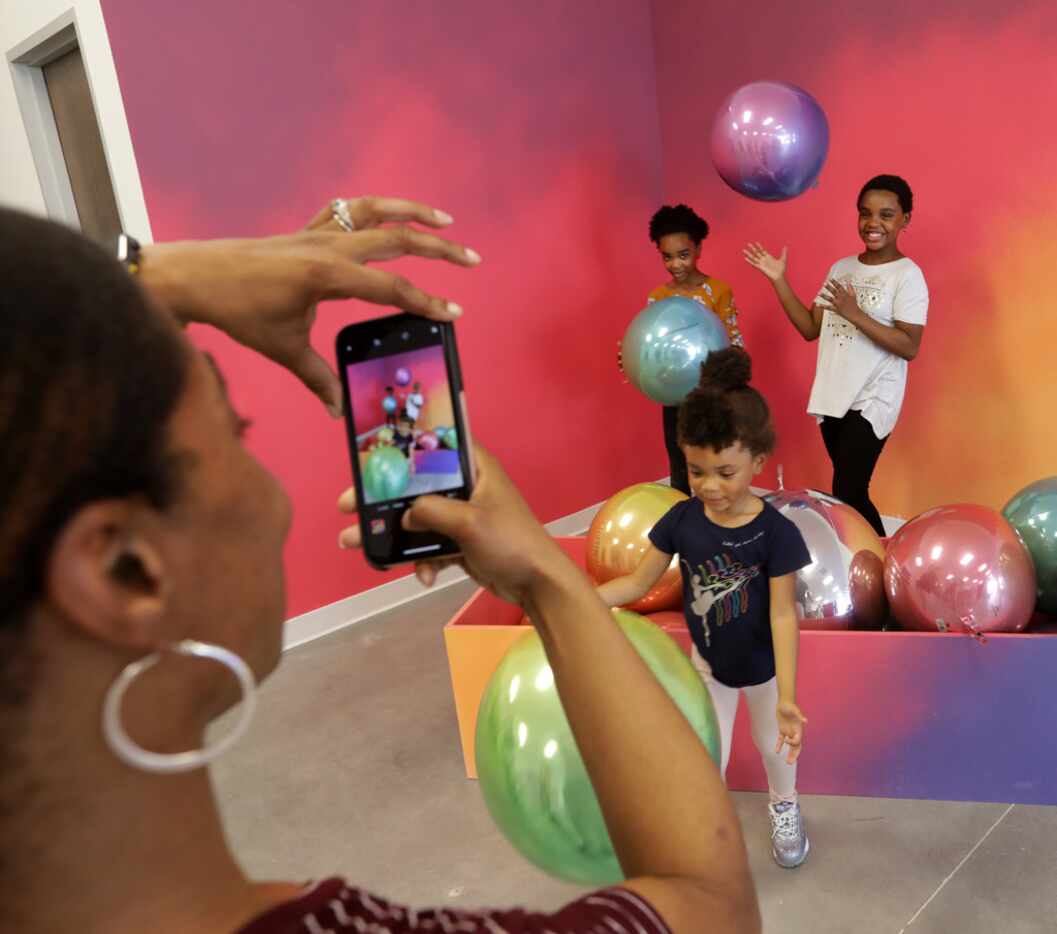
(956, 97)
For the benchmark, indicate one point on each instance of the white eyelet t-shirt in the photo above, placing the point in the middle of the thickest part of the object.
(852, 372)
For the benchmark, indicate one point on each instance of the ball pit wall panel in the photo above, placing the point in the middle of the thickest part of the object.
(892, 714)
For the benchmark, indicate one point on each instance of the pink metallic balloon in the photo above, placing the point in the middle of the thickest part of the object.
(843, 586)
(428, 441)
(960, 568)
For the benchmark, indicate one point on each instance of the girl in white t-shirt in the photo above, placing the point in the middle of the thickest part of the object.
(868, 317)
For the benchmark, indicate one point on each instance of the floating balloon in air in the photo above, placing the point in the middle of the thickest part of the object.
(769, 140)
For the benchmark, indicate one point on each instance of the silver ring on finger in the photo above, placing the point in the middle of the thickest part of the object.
(339, 210)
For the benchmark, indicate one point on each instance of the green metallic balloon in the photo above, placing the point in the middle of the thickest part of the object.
(1033, 513)
(386, 474)
(451, 439)
(532, 777)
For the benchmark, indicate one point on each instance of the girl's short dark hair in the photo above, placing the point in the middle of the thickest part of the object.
(894, 184)
(678, 219)
(725, 409)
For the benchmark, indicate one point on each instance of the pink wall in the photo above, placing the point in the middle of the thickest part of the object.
(957, 97)
(535, 125)
(541, 128)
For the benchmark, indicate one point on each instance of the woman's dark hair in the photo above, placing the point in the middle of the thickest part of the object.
(894, 184)
(678, 219)
(724, 408)
(89, 377)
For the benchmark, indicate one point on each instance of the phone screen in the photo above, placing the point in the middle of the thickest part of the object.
(406, 428)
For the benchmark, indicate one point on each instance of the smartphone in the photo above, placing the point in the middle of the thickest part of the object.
(405, 414)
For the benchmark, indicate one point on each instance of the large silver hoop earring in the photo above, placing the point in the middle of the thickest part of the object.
(131, 753)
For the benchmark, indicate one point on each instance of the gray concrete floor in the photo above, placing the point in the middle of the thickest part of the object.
(352, 767)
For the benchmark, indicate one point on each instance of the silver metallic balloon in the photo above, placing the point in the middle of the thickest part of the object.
(843, 586)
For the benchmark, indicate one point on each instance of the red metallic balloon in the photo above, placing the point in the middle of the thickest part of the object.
(960, 568)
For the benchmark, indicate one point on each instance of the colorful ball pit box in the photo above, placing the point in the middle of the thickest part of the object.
(892, 714)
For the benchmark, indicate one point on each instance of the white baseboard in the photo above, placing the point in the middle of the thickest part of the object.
(388, 596)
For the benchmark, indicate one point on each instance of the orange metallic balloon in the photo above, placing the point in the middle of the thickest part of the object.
(619, 537)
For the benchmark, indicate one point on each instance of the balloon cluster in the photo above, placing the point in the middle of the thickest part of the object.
(955, 568)
(958, 568)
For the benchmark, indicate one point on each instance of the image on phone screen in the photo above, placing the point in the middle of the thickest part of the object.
(407, 442)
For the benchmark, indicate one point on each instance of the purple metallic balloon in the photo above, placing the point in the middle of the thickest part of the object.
(960, 569)
(769, 140)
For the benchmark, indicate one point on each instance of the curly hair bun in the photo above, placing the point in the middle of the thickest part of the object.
(727, 369)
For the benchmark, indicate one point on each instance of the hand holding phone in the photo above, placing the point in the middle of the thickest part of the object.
(502, 544)
(405, 416)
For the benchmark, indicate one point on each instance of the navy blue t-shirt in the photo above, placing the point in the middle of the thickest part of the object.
(727, 584)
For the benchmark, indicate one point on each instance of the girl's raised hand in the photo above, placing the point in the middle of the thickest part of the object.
(790, 730)
(772, 267)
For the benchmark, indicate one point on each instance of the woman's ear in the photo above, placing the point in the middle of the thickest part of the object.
(757, 464)
(106, 574)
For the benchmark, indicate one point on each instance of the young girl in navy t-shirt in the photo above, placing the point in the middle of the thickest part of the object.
(739, 557)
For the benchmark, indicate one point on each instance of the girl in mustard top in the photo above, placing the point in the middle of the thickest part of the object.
(678, 232)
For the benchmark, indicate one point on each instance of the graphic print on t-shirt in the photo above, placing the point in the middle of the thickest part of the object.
(719, 584)
(869, 295)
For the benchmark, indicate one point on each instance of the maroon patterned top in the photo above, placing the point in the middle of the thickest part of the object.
(332, 907)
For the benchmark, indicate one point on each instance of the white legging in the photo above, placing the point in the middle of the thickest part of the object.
(762, 700)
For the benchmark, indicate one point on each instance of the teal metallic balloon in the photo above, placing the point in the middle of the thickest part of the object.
(665, 345)
(450, 439)
(532, 777)
(386, 474)
(1033, 513)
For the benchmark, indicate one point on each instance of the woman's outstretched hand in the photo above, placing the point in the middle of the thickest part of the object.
(263, 292)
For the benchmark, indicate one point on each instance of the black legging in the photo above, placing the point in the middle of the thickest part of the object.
(854, 449)
(676, 460)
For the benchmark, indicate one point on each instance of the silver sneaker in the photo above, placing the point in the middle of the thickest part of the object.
(789, 842)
